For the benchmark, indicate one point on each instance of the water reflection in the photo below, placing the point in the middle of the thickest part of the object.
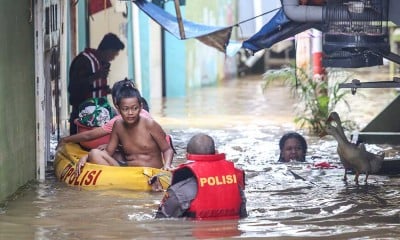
(246, 124)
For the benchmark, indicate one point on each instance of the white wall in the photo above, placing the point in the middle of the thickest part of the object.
(155, 61)
(111, 20)
(248, 9)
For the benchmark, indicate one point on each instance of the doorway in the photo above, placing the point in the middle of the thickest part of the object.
(47, 74)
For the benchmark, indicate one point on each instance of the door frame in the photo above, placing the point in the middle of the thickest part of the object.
(48, 39)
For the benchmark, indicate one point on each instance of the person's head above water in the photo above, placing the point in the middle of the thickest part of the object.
(292, 146)
(201, 144)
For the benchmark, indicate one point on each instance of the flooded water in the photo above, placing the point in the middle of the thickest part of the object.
(246, 124)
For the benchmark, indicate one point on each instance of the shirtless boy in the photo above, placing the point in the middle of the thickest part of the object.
(106, 129)
(142, 139)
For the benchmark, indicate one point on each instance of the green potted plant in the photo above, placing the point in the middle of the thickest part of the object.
(318, 97)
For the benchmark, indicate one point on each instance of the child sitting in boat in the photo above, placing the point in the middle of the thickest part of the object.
(91, 138)
(142, 139)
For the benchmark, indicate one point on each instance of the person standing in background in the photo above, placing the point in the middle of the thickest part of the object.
(88, 74)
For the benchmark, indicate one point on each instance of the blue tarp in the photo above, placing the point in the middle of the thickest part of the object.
(279, 28)
(217, 37)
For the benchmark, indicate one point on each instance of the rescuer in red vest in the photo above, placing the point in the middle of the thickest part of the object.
(206, 187)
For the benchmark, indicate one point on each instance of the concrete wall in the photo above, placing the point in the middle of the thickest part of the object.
(116, 19)
(188, 63)
(17, 97)
(206, 65)
(175, 59)
(248, 9)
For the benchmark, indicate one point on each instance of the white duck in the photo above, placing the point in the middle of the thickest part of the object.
(353, 156)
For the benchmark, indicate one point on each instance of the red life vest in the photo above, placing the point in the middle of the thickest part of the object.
(99, 85)
(218, 182)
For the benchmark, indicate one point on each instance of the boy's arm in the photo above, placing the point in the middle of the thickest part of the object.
(168, 156)
(113, 144)
(94, 133)
(159, 136)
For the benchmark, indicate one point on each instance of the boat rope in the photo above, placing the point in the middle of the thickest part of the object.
(247, 20)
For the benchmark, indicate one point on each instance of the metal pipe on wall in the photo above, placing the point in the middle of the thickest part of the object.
(300, 13)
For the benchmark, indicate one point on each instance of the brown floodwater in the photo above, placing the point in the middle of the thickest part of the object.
(246, 124)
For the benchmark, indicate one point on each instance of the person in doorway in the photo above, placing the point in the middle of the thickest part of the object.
(206, 187)
(88, 74)
(142, 140)
(293, 147)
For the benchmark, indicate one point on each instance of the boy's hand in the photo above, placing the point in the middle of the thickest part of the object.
(80, 164)
(60, 143)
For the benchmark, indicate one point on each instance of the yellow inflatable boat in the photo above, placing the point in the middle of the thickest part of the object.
(94, 176)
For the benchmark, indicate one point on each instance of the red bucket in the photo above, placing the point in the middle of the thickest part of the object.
(92, 143)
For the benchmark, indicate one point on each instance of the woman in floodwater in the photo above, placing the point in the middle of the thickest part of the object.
(293, 147)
